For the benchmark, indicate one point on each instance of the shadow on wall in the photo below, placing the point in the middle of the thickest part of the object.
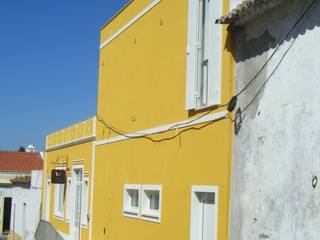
(258, 40)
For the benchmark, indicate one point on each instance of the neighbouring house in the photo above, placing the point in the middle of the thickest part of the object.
(275, 191)
(66, 201)
(20, 193)
(155, 162)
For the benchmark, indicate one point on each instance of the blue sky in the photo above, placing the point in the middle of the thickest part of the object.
(49, 53)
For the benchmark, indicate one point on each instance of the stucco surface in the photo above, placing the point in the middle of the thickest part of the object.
(276, 153)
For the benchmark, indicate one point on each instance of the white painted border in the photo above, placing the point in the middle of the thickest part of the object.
(68, 203)
(73, 194)
(128, 24)
(172, 126)
(145, 214)
(84, 225)
(92, 184)
(76, 142)
(56, 214)
(204, 189)
(64, 235)
(127, 212)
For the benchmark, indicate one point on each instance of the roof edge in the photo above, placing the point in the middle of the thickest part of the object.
(116, 15)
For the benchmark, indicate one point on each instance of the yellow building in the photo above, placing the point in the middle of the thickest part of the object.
(163, 150)
(158, 157)
(67, 206)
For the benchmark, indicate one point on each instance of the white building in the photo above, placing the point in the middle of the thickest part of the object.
(20, 193)
(276, 166)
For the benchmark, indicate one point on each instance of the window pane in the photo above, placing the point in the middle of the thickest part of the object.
(61, 196)
(84, 203)
(203, 55)
(154, 201)
(134, 195)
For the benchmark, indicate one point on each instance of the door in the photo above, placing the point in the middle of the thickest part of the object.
(7, 214)
(77, 204)
(208, 212)
(47, 216)
(204, 214)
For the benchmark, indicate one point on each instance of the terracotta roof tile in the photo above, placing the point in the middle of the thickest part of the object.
(20, 161)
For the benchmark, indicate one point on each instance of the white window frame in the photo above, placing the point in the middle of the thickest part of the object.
(213, 53)
(68, 199)
(57, 189)
(128, 210)
(147, 213)
(194, 225)
(84, 202)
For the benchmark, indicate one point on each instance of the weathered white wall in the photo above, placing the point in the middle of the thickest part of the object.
(277, 151)
(234, 3)
(31, 198)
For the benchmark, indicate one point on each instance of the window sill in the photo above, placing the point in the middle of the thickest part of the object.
(131, 213)
(84, 226)
(152, 216)
(58, 216)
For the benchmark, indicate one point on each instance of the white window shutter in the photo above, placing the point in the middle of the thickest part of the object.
(215, 54)
(192, 55)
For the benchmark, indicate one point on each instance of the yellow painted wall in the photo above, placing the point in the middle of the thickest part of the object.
(75, 132)
(142, 82)
(67, 156)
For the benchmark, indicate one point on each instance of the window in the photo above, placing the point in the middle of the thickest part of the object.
(84, 210)
(204, 213)
(131, 200)
(59, 200)
(204, 54)
(68, 204)
(151, 203)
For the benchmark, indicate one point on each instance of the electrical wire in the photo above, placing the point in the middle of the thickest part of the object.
(246, 108)
(254, 78)
(146, 135)
(176, 126)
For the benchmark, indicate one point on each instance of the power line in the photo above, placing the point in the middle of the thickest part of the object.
(311, 7)
(232, 103)
(254, 78)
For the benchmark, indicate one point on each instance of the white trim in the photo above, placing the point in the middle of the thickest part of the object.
(92, 185)
(47, 201)
(78, 141)
(193, 221)
(56, 213)
(128, 24)
(84, 205)
(146, 213)
(63, 235)
(94, 126)
(172, 126)
(129, 211)
(68, 199)
(70, 125)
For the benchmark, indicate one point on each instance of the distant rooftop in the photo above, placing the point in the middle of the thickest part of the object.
(20, 161)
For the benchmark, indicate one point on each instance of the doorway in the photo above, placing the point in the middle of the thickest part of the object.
(77, 193)
(204, 213)
(6, 214)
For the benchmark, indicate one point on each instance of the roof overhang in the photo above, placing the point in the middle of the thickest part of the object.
(248, 10)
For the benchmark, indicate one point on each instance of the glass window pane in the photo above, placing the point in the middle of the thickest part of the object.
(134, 198)
(154, 201)
(61, 196)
